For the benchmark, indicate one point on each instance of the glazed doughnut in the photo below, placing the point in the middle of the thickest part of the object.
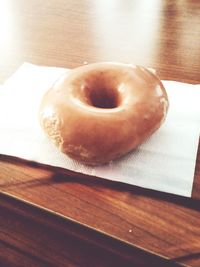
(99, 112)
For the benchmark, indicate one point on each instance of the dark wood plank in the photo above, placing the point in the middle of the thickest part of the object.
(196, 184)
(154, 221)
(164, 35)
(37, 236)
(11, 255)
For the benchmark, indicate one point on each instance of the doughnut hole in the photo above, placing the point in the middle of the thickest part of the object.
(101, 95)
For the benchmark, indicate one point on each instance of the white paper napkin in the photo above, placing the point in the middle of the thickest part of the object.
(165, 162)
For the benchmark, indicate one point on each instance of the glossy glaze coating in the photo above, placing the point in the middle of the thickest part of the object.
(101, 111)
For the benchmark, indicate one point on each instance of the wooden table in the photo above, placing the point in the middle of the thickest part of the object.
(49, 217)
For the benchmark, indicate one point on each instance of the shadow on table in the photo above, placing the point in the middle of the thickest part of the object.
(58, 175)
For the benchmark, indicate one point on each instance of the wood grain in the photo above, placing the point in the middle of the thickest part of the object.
(55, 241)
(196, 183)
(155, 221)
(164, 35)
